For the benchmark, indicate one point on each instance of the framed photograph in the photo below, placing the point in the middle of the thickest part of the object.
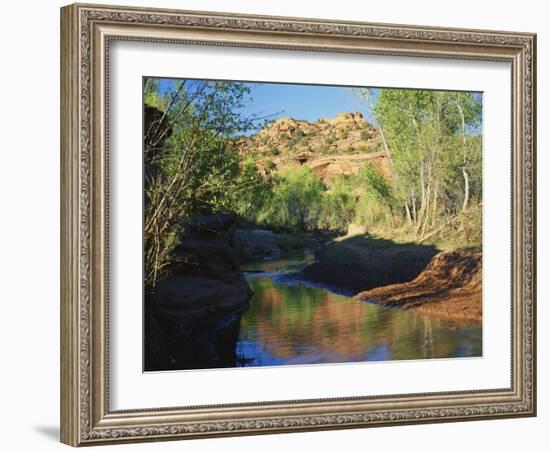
(276, 224)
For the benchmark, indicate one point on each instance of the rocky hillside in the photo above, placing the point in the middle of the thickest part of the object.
(331, 147)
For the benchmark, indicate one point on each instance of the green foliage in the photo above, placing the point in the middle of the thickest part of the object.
(431, 138)
(338, 207)
(151, 96)
(436, 150)
(300, 201)
(252, 192)
(330, 138)
(270, 165)
(375, 184)
(195, 170)
(325, 148)
(470, 226)
(374, 206)
(295, 203)
(296, 140)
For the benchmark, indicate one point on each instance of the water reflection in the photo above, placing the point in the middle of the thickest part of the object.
(290, 322)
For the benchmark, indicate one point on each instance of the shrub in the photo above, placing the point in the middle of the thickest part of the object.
(376, 201)
(338, 209)
(324, 148)
(366, 135)
(296, 201)
(297, 139)
(270, 165)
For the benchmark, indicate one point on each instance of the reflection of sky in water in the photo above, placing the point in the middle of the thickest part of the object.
(294, 322)
(381, 353)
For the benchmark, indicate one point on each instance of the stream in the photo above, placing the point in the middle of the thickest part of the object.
(291, 321)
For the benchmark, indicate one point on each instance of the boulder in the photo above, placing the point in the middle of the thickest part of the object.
(256, 244)
(209, 225)
(348, 119)
(192, 319)
(206, 277)
(182, 295)
(212, 258)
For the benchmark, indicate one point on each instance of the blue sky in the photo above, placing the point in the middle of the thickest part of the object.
(300, 101)
(303, 102)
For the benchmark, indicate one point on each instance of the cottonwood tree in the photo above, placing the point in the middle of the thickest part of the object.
(434, 142)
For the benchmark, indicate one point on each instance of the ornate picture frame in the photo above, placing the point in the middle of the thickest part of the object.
(87, 31)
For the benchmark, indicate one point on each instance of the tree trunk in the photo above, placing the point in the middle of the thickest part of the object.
(370, 104)
(413, 207)
(386, 148)
(408, 213)
(463, 123)
(464, 173)
(466, 189)
(423, 201)
(434, 209)
(426, 214)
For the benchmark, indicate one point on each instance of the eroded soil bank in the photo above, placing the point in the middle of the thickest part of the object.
(449, 287)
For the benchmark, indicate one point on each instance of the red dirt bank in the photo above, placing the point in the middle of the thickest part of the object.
(449, 287)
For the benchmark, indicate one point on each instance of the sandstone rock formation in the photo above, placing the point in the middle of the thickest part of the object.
(331, 147)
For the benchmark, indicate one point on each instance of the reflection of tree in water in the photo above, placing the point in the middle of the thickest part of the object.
(295, 320)
(294, 323)
(428, 346)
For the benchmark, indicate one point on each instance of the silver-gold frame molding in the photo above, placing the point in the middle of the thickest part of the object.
(86, 33)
